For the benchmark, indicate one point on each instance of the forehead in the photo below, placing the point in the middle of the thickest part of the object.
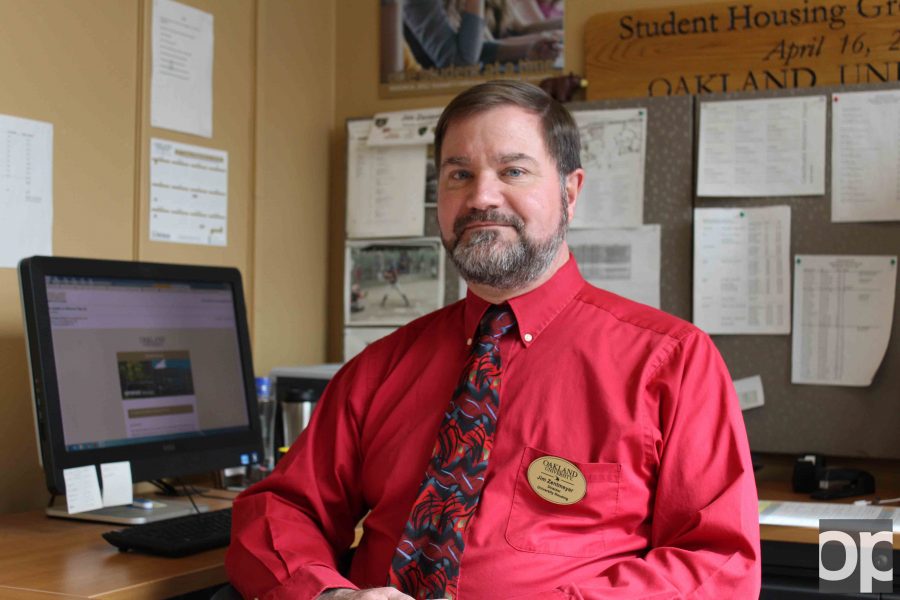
(504, 128)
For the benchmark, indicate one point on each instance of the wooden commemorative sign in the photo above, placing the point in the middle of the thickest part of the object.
(749, 46)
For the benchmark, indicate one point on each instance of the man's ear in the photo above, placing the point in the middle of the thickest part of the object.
(574, 183)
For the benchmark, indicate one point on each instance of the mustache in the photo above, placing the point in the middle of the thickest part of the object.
(487, 216)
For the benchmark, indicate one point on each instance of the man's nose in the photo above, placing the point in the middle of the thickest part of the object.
(485, 192)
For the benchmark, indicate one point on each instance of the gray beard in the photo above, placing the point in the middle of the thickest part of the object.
(486, 260)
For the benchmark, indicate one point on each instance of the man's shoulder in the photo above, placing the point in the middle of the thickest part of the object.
(628, 313)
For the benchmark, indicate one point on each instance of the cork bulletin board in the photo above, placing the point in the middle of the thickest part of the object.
(834, 420)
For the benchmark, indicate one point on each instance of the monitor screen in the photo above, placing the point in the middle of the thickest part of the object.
(143, 362)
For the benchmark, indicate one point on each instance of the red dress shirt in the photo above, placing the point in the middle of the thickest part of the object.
(638, 400)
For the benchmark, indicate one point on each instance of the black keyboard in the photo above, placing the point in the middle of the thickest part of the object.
(176, 537)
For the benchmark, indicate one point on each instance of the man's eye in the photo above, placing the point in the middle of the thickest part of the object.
(460, 175)
(514, 172)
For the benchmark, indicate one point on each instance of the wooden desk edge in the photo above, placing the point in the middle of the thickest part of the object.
(165, 587)
(15, 593)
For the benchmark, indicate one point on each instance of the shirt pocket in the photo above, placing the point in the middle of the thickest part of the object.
(576, 530)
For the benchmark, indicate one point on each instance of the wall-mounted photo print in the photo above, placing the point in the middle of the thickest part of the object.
(392, 282)
(445, 46)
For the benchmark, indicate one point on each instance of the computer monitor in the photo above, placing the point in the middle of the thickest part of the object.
(139, 362)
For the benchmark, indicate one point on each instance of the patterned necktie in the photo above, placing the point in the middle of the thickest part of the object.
(426, 561)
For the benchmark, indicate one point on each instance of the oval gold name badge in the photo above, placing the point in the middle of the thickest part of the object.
(556, 480)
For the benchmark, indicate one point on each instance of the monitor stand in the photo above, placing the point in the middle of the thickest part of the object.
(130, 514)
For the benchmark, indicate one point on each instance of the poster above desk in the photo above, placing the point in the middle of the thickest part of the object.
(741, 47)
(429, 47)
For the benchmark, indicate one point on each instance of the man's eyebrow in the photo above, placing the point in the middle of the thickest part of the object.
(503, 159)
(455, 160)
(516, 157)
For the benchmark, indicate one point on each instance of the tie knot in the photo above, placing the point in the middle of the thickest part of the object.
(496, 321)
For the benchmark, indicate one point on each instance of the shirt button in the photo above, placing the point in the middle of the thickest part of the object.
(469, 342)
(528, 337)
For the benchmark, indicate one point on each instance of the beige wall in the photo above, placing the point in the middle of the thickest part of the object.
(57, 67)
(84, 66)
(288, 73)
(295, 112)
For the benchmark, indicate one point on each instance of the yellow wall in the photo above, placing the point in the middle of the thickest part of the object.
(83, 83)
(288, 73)
(295, 111)
(84, 66)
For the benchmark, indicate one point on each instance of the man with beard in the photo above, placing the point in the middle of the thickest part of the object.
(541, 438)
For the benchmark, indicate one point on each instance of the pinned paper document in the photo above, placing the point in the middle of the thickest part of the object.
(613, 152)
(742, 270)
(865, 183)
(843, 311)
(404, 128)
(750, 392)
(764, 147)
(181, 94)
(385, 186)
(26, 189)
(624, 261)
(357, 338)
(188, 193)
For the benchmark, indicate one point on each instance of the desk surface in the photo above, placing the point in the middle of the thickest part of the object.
(43, 558)
(773, 483)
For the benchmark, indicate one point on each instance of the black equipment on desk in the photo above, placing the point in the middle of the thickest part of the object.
(176, 537)
(844, 483)
(808, 470)
(812, 475)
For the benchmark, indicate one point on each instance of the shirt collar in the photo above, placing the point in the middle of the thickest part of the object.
(534, 310)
